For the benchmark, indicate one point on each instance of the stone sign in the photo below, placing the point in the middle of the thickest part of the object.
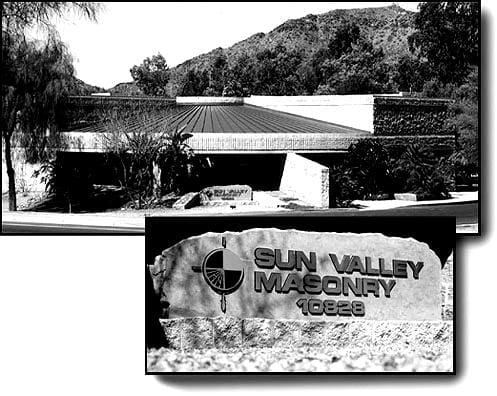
(290, 274)
(220, 194)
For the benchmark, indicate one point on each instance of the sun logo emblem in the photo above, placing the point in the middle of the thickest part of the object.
(223, 271)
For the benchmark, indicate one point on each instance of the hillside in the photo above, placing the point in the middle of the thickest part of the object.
(84, 89)
(387, 28)
(125, 89)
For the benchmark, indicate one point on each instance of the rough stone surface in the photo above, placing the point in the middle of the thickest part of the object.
(197, 333)
(173, 329)
(287, 333)
(355, 346)
(227, 332)
(230, 194)
(303, 359)
(394, 338)
(258, 332)
(447, 290)
(313, 333)
(410, 116)
(406, 197)
(190, 295)
(187, 201)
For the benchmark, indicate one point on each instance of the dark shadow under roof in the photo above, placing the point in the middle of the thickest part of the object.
(227, 119)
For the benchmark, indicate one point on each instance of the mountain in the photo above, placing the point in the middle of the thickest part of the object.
(386, 27)
(125, 89)
(83, 89)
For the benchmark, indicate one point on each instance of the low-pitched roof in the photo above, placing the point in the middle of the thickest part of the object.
(225, 128)
(228, 119)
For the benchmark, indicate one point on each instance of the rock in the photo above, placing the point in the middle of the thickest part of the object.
(227, 332)
(289, 274)
(287, 333)
(231, 194)
(406, 197)
(258, 332)
(187, 201)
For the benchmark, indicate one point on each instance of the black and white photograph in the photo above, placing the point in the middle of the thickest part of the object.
(309, 187)
(353, 109)
(283, 294)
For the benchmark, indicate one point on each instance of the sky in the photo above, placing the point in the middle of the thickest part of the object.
(126, 33)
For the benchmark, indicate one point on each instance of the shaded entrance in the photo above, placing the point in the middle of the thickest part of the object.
(259, 171)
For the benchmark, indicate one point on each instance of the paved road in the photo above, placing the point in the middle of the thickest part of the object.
(466, 213)
(38, 228)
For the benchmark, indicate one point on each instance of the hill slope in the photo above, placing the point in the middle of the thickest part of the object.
(387, 28)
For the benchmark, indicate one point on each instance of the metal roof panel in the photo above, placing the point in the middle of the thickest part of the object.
(215, 118)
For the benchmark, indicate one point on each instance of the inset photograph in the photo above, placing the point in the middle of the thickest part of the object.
(336, 108)
(283, 294)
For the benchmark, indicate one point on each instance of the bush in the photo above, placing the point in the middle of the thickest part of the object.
(343, 187)
(419, 171)
(153, 159)
(69, 185)
(367, 163)
(369, 172)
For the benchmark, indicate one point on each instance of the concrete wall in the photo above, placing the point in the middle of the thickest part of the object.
(306, 179)
(208, 100)
(354, 111)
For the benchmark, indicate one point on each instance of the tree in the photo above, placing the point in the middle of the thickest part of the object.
(410, 74)
(217, 75)
(150, 160)
(152, 75)
(447, 37)
(276, 72)
(346, 34)
(35, 75)
(18, 16)
(463, 120)
(136, 150)
(240, 77)
(362, 69)
(194, 83)
(177, 162)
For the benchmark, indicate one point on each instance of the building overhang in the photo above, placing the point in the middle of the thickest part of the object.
(211, 143)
